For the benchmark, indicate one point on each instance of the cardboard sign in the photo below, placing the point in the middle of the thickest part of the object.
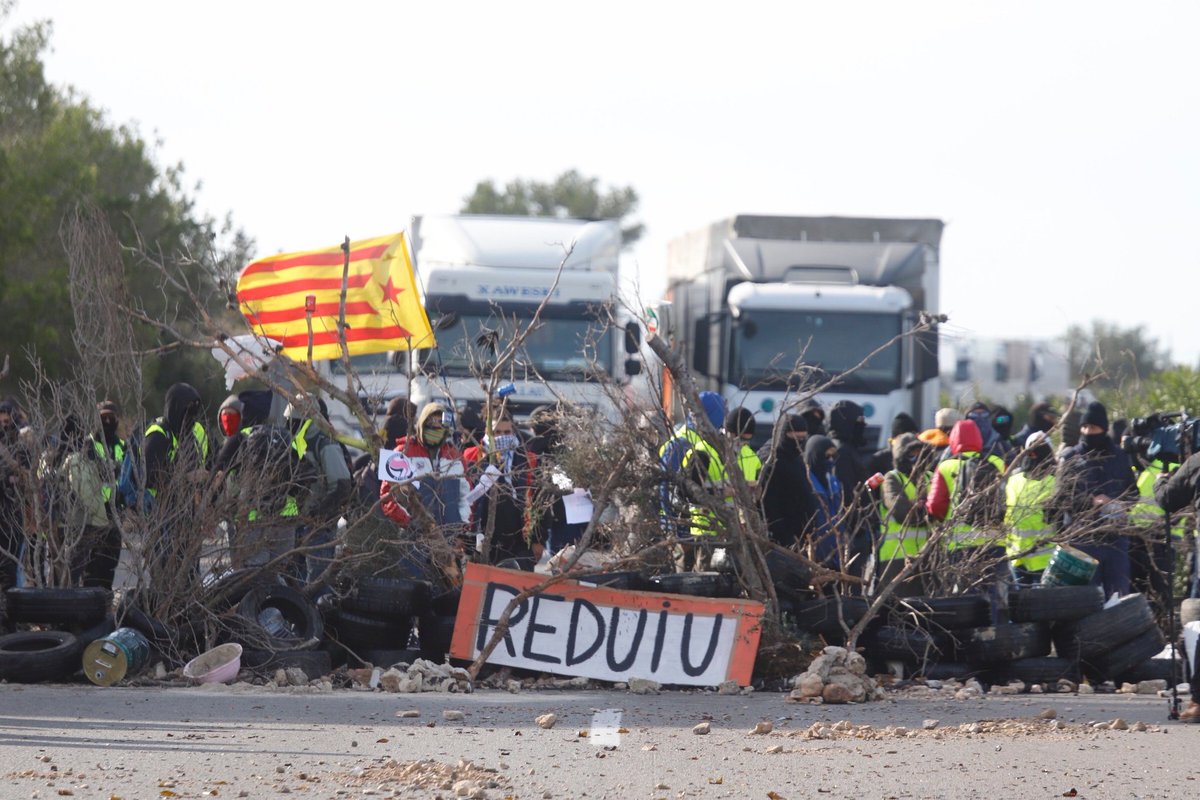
(582, 630)
(394, 466)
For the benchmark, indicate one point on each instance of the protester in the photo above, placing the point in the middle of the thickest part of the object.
(1029, 515)
(740, 426)
(786, 492)
(400, 414)
(902, 511)
(1002, 424)
(175, 445)
(1094, 482)
(439, 467)
(882, 460)
(674, 505)
(1175, 492)
(14, 466)
(552, 485)
(1042, 418)
(1151, 555)
(814, 416)
(992, 442)
(826, 534)
(502, 514)
(99, 565)
(847, 428)
(938, 437)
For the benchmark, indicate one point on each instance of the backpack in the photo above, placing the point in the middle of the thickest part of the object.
(267, 470)
(977, 500)
(131, 478)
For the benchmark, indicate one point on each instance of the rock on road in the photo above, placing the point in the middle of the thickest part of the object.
(61, 741)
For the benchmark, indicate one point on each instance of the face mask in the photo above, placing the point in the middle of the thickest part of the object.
(109, 426)
(503, 442)
(908, 462)
(230, 423)
(433, 436)
(1094, 441)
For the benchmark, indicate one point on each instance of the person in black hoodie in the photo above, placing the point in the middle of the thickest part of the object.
(847, 427)
(883, 460)
(1094, 479)
(1002, 424)
(175, 442)
(1042, 417)
(812, 413)
(786, 491)
(825, 528)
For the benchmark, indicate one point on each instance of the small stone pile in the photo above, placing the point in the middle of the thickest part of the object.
(835, 676)
(420, 676)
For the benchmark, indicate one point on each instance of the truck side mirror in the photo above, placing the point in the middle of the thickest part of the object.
(633, 337)
(633, 367)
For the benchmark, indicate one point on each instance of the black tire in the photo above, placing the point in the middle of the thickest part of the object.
(388, 658)
(1157, 669)
(98, 631)
(359, 633)
(1094, 635)
(301, 614)
(948, 671)
(130, 615)
(789, 575)
(435, 635)
(227, 591)
(697, 584)
(36, 656)
(72, 606)
(943, 613)
(628, 580)
(387, 598)
(446, 603)
(1189, 611)
(1001, 643)
(315, 663)
(820, 616)
(1055, 603)
(522, 564)
(1043, 669)
(1122, 659)
(907, 644)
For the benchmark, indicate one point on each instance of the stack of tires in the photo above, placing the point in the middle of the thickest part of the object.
(1114, 643)
(67, 621)
(373, 621)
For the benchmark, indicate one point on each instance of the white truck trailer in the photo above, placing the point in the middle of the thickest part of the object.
(766, 306)
(483, 274)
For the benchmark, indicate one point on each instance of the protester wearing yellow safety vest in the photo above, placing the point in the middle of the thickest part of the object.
(905, 529)
(175, 444)
(1028, 513)
(99, 560)
(739, 427)
(965, 495)
(674, 506)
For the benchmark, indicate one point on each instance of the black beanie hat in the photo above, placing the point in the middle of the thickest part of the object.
(740, 420)
(1096, 414)
(904, 423)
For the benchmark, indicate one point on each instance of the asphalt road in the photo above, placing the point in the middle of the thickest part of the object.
(130, 743)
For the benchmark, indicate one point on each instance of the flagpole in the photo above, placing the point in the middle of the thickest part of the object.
(342, 318)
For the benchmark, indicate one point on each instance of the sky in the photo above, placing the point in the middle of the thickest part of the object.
(1058, 141)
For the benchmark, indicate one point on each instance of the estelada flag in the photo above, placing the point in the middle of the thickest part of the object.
(383, 311)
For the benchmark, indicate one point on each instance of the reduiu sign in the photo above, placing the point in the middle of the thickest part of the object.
(578, 629)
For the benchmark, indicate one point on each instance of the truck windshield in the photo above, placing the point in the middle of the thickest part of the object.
(562, 348)
(766, 345)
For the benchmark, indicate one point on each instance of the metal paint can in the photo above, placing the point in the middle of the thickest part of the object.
(122, 654)
(1069, 567)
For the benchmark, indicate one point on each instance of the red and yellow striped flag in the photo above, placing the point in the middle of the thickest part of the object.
(383, 311)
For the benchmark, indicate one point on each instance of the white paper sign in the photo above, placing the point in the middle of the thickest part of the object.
(578, 506)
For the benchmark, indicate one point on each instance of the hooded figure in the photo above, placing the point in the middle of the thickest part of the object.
(509, 502)
(882, 460)
(949, 493)
(1002, 424)
(438, 465)
(813, 415)
(825, 515)
(787, 494)
(993, 443)
(740, 425)
(176, 436)
(395, 424)
(1042, 417)
(714, 408)
(902, 510)
(229, 415)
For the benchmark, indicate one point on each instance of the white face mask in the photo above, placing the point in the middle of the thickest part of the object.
(503, 442)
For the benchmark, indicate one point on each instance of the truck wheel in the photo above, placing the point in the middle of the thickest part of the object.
(1120, 660)
(1055, 603)
(35, 656)
(387, 598)
(943, 613)
(72, 606)
(1001, 643)
(1099, 633)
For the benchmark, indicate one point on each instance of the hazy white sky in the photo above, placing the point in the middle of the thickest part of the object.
(1059, 141)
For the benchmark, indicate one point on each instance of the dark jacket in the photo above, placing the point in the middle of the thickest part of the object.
(177, 420)
(827, 504)
(1086, 472)
(786, 493)
(1181, 489)
(512, 533)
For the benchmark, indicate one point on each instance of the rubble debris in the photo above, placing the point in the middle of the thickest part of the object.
(702, 729)
(547, 721)
(451, 715)
(644, 686)
(420, 676)
(1009, 728)
(835, 676)
(428, 774)
(763, 728)
(729, 687)
(1048, 713)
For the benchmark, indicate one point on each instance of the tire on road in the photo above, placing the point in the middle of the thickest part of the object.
(301, 615)
(1008, 642)
(97, 631)
(1099, 633)
(821, 616)
(359, 633)
(697, 584)
(36, 656)
(907, 644)
(1120, 660)
(388, 598)
(1055, 603)
(70, 606)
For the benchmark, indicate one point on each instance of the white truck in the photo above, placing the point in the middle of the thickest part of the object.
(483, 274)
(764, 306)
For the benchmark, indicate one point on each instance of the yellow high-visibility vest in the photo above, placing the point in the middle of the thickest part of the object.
(1029, 533)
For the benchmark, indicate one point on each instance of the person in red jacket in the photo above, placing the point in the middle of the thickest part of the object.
(437, 466)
